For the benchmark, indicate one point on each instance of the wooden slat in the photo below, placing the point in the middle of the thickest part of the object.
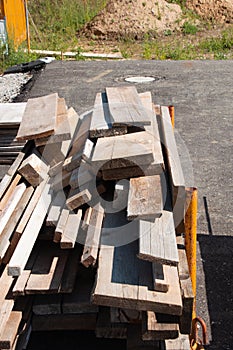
(125, 281)
(60, 227)
(186, 288)
(174, 168)
(55, 209)
(157, 240)
(80, 177)
(60, 180)
(27, 241)
(9, 191)
(131, 171)
(33, 169)
(13, 220)
(121, 192)
(79, 301)
(181, 343)
(135, 342)
(101, 121)
(105, 328)
(85, 153)
(8, 336)
(160, 278)
(76, 200)
(159, 326)
(145, 198)
(39, 118)
(126, 107)
(47, 271)
(124, 150)
(91, 246)
(71, 230)
(47, 304)
(64, 322)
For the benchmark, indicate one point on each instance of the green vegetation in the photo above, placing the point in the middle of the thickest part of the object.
(54, 23)
(189, 28)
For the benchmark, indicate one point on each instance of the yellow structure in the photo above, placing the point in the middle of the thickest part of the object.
(14, 12)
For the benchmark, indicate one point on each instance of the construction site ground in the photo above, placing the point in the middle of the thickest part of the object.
(201, 92)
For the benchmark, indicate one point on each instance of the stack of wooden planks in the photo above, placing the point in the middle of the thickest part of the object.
(10, 118)
(91, 224)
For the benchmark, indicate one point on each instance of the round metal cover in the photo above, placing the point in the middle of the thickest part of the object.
(139, 79)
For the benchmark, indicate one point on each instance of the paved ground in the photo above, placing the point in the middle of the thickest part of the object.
(201, 92)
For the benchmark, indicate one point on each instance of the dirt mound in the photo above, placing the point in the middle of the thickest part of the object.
(220, 11)
(133, 19)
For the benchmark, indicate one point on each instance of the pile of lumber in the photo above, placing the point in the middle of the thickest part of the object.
(10, 118)
(92, 224)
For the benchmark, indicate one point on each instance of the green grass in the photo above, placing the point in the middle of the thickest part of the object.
(54, 23)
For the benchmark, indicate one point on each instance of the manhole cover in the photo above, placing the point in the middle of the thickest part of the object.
(139, 79)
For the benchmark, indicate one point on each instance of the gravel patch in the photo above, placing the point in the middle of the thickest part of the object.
(11, 85)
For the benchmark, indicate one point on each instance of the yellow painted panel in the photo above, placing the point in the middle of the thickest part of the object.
(15, 20)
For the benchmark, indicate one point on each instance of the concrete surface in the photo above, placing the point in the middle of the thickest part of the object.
(202, 93)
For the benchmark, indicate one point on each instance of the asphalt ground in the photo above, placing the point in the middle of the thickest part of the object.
(202, 94)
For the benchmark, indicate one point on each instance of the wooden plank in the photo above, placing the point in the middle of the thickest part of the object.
(91, 246)
(181, 343)
(21, 281)
(11, 113)
(79, 301)
(80, 177)
(125, 281)
(55, 209)
(47, 271)
(9, 191)
(60, 227)
(71, 269)
(6, 283)
(33, 169)
(8, 336)
(160, 273)
(87, 217)
(186, 288)
(39, 118)
(126, 107)
(8, 230)
(101, 121)
(85, 153)
(145, 198)
(77, 199)
(135, 342)
(123, 150)
(5, 311)
(55, 169)
(27, 241)
(131, 171)
(105, 328)
(64, 322)
(157, 240)
(159, 326)
(60, 180)
(175, 170)
(47, 304)
(120, 197)
(71, 230)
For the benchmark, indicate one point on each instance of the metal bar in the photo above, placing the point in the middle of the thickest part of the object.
(191, 238)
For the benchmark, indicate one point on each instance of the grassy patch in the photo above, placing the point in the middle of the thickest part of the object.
(54, 23)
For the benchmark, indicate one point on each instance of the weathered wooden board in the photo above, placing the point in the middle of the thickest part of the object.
(125, 281)
(79, 301)
(121, 192)
(91, 246)
(60, 180)
(33, 169)
(60, 227)
(105, 328)
(159, 326)
(11, 113)
(47, 271)
(157, 240)
(85, 153)
(145, 198)
(48, 304)
(126, 107)
(27, 241)
(39, 118)
(175, 170)
(8, 230)
(71, 230)
(160, 273)
(101, 121)
(76, 200)
(64, 322)
(181, 343)
(56, 208)
(8, 336)
(135, 342)
(123, 150)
